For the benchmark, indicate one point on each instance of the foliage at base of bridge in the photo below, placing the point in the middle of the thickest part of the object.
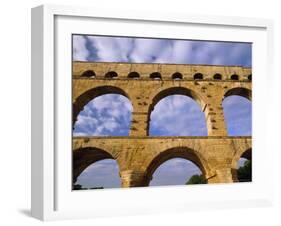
(244, 173)
(79, 187)
(196, 179)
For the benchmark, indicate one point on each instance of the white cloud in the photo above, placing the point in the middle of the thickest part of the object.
(150, 50)
(104, 173)
(178, 115)
(182, 52)
(80, 51)
(238, 115)
(140, 50)
(111, 49)
(175, 171)
(109, 114)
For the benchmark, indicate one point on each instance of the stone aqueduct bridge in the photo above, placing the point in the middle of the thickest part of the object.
(139, 155)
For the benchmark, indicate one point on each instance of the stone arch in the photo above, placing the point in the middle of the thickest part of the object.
(234, 77)
(250, 77)
(90, 94)
(177, 152)
(217, 76)
(111, 74)
(198, 76)
(232, 120)
(133, 74)
(88, 74)
(155, 75)
(240, 91)
(177, 75)
(175, 91)
(243, 153)
(84, 157)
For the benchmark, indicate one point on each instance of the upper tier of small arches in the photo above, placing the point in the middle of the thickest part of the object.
(162, 71)
(174, 76)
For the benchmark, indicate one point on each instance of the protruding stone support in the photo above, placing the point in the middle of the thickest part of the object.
(131, 178)
(211, 178)
(139, 124)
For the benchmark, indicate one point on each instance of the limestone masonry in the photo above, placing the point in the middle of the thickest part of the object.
(138, 155)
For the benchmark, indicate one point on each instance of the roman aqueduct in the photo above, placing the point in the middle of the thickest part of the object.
(138, 155)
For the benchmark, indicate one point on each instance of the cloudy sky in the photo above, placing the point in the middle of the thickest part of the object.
(174, 115)
(140, 50)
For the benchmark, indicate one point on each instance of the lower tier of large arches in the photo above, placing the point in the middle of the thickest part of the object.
(138, 157)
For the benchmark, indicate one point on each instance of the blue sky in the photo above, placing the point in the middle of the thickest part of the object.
(140, 50)
(174, 115)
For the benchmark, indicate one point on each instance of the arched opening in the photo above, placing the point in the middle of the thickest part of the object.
(198, 76)
(177, 76)
(234, 77)
(155, 75)
(105, 115)
(111, 74)
(237, 109)
(94, 169)
(177, 171)
(177, 115)
(217, 76)
(239, 91)
(89, 74)
(91, 94)
(176, 166)
(177, 112)
(134, 75)
(250, 77)
(244, 169)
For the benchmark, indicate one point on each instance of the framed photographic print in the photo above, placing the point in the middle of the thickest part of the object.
(137, 113)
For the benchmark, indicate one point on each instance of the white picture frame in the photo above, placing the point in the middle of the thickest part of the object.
(50, 198)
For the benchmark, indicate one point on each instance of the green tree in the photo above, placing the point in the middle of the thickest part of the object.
(196, 179)
(96, 188)
(244, 173)
(77, 187)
